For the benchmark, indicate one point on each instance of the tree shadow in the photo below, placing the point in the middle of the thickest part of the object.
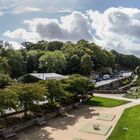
(57, 123)
(34, 133)
(62, 122)
(94, 103)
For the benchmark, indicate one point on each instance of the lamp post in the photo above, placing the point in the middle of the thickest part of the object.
(44, 70)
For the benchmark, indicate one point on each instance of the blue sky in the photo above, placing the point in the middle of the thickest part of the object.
(100, 21)
(10, 21)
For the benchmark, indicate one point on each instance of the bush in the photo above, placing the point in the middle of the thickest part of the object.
(5, 80)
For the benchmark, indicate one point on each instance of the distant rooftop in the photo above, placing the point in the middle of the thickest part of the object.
(45, 76)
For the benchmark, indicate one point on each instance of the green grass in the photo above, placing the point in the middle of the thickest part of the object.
(131, 120)
(105, 102)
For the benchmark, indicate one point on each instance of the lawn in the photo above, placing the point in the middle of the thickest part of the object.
(131, 121)
(105, 102)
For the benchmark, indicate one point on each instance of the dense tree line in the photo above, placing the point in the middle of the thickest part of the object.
(65, 58)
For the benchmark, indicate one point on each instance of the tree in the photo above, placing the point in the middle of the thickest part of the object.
(137, 70)
(4, 66)
(5, 80)
(73, 64)
(32, 61)
(126, 61)
(55, 91)
(54, 45)
(83, 43)
(16, 62)
(29, 96)
(8, 100)
(53, 62)
(40, 45)
(86, 65)
(78, 85)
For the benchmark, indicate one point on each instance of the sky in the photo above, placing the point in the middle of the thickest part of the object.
(112, 24)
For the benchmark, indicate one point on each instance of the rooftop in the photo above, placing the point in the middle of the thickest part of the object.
(44, 76)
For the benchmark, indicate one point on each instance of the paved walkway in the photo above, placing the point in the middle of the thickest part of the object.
(66, 128)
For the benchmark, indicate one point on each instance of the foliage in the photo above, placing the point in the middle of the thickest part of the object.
(54, 45)
(32, 61)
(5, 80)
(78, 85)
(8, 100)
(65, 58)
(29, 95)
(73, 64)
(4, 66)
(16, 62)
(86, 65)
(53, 62)
(126, 61)
(133, 93)
(137, 71)
(55, 91)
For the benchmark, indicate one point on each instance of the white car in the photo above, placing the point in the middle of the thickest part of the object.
(106, 77)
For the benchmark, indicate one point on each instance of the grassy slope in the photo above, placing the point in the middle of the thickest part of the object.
(131, 120)
(105, 102)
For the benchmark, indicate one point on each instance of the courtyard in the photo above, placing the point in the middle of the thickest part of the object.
(69, 127)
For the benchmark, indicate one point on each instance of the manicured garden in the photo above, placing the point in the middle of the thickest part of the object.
(105, 102)
(128, 127)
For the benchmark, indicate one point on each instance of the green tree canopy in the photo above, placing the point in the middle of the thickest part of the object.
(54, 45)
(32, 61)
(55, 91)
(16, 62)
(78, 85)
(4, 66)
(86, 65)
(53, 61)
(73, 64)
(8, 100)
(5, 80)
(137, 70)
(29, 95)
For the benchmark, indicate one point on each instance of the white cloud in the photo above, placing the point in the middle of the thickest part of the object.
(71, 27)
(117, 28)
(22, 34)
(20, 10)
(15, 45)
(58, 10)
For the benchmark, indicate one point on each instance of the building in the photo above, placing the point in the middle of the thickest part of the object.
(35, 77)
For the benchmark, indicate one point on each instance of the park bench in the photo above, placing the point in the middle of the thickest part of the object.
(62, 112)
(77, 105)
(41, 121)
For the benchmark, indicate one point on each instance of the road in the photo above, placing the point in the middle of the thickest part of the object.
(105, 82)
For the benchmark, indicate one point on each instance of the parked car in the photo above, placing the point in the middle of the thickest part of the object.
(99, 79)
(106, 77)
(121, 74)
